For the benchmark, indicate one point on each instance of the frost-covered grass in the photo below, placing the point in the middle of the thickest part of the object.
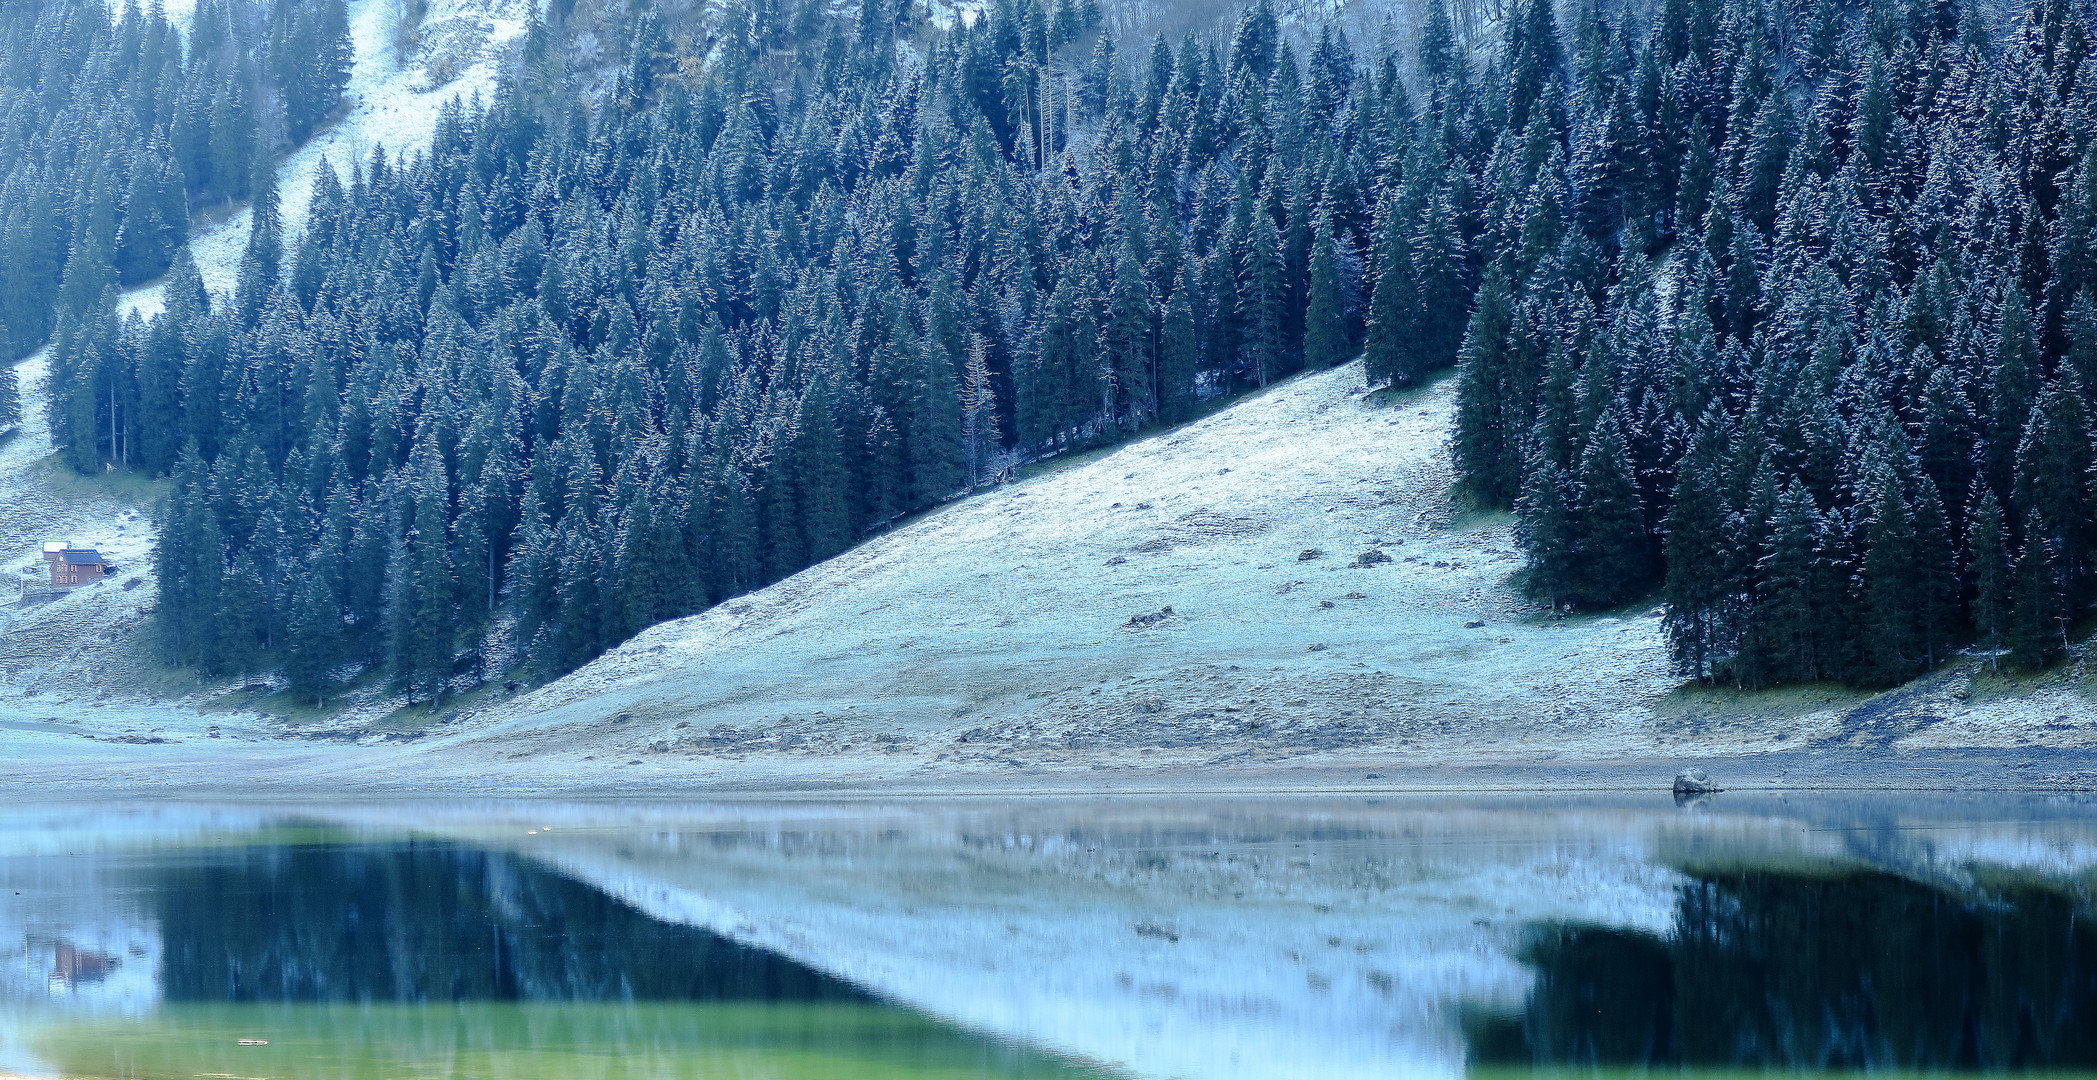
(999, 628)
(997, 640)
(59, 657)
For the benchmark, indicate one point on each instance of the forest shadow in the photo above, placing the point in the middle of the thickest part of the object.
(1793, 969)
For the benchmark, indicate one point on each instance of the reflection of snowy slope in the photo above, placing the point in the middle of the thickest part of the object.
(1230, 941)
(1190, 938)
(1233, 939)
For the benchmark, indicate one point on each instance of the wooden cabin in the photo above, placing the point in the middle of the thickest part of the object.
(71, 566)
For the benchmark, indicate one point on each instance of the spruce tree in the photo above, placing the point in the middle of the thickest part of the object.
(2036, 632)
(1550, 535)
(1325, 339)
(1612, 550)
(1394, 304)
(1486, 440)
(1893, 581)
(1697, 588)
(1988, 565)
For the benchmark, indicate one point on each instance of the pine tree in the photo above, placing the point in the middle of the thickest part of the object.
(1485, 442)
(10, 400)
(313, 646)
(1892, 583)
(423, 610)
(934, 441)
(2038, 619)
(1782, 641)
(1549, 535)
(824, 513)
(1612, 550)
(189, 564)
(1179, 353)
(1393, 306)
(1988, 563)
(1697, 588)
(2053, 470)
(1325, 338)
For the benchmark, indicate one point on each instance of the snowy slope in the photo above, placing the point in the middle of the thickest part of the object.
(1198, 599)
(1000, 628)
(392, 105)
(56, 654)
(57, 659)
(997, 643)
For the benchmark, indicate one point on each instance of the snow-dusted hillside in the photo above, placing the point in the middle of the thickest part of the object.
(1208, 595)
(1022, 638)
(62, 658)
(393, 105)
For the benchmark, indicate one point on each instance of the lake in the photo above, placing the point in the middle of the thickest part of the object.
(1072, 938)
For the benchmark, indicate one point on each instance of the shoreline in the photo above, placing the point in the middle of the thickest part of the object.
(393, 775)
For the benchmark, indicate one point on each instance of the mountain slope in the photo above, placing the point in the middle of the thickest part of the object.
(1022, 629)
(1031, 626)
(993, 643)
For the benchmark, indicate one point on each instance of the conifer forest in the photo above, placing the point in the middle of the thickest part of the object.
(1781, 312)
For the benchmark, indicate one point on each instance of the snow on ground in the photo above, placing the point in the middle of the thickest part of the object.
(1031, 624)
(64, 662)
(60, 650)
(392, 105)
(1204, 607)
(1209, 597)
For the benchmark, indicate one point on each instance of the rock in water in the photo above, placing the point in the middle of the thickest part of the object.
(1693, 782)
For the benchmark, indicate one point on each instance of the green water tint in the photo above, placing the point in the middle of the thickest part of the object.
(538, 1041)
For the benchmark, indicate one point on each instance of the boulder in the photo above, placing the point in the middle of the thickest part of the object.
(1694, 782)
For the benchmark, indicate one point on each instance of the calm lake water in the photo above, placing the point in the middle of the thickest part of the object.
(1135, 937)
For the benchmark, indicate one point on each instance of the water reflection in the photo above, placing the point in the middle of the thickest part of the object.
(1272, 940)
(431, 921)
(307, 953)
(1855, 970)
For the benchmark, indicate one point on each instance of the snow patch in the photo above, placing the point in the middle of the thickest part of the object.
(392, 105)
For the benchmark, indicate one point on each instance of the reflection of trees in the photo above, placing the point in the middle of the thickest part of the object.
(1788, 971)
(434, 922)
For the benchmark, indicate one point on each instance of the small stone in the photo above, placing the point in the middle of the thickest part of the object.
(1148, 619)
(1475, 624)
(1310, 553)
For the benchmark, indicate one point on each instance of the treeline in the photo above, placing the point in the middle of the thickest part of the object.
(1784, 310)
(590, 363)
(114, 126)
